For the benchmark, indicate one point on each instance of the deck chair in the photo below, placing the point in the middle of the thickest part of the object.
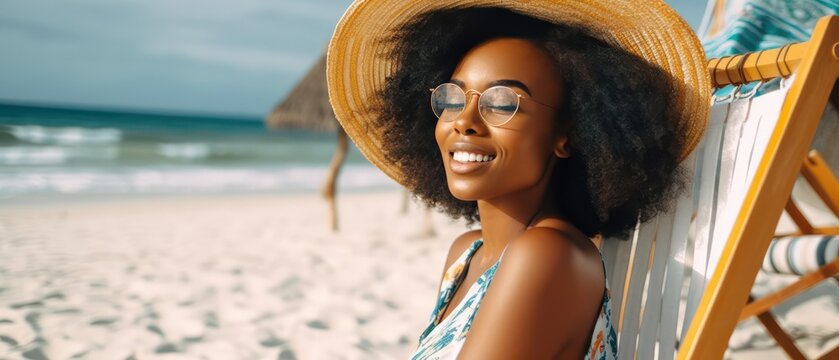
(810, 253)
(680, 281)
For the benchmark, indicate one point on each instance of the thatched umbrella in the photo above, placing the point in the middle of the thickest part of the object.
(307, 108)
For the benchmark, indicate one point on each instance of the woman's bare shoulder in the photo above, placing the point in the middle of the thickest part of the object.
(558, 251)
(566, 263)
(546, 292)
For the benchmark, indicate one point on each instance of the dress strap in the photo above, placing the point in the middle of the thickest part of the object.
(504, 251)
(452, 278)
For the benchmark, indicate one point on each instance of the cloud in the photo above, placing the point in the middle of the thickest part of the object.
(243, 58)
(33, 29)
(314, 10)
(319, 11)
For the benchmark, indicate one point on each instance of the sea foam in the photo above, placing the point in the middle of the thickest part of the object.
(181, 179)
(65, 135)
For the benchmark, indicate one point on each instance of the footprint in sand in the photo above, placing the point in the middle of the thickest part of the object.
(27, 304)
(287, 354)
(166, 348)
(318, 324)
(34, 354)
(105, 321)
(54, 295)
(268, 339)
(211, 319)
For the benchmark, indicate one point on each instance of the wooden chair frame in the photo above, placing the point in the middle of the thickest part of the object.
(816, 65)
(817, 173)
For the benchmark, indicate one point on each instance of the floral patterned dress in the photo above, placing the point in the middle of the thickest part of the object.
(444, 340)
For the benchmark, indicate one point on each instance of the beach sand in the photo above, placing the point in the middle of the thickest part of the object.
(254, 277)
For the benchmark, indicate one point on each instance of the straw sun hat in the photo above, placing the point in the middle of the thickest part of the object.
(356, 71)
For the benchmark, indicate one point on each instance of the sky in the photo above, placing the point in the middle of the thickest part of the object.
(223, 57)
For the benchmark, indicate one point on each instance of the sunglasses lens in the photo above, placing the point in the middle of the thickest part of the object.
(498, 105)
(447, 101)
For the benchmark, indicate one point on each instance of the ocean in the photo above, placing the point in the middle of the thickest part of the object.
(55, 151)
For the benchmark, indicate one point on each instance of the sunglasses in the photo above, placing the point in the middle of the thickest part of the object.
(497, 105)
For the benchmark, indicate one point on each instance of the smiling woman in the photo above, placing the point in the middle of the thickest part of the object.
(524, 147)
(550, 123)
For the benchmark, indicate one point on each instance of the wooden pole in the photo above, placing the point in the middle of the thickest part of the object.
(756, 66)
(429, 224)
(719, 13)
(329, 187)
(406, 197)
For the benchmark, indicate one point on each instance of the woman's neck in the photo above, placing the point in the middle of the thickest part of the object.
(506, 217)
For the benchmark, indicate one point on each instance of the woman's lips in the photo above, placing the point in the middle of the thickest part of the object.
(462, 168)
(467, 157)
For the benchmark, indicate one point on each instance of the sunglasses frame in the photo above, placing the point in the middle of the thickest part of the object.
(479, 93)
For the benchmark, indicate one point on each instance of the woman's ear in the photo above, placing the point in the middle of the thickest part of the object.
(561, 149)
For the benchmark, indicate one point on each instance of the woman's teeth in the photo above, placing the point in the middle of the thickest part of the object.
(464, 156)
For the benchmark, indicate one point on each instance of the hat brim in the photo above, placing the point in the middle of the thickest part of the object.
(356, 72)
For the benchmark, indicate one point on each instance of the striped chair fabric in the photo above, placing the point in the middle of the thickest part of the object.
(799, 255)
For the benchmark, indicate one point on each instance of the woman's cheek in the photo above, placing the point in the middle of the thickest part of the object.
(440, 132)
(524, 167)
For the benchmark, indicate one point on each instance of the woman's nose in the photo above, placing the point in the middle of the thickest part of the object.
(469, 121)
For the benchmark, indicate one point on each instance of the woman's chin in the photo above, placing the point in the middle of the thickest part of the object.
(466, 193)
(463, 198)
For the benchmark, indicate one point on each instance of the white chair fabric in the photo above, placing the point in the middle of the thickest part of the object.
(663, 292)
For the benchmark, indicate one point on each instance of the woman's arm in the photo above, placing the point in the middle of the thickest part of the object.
(543, 301)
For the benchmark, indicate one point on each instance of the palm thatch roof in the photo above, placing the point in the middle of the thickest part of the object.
(307, 105)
